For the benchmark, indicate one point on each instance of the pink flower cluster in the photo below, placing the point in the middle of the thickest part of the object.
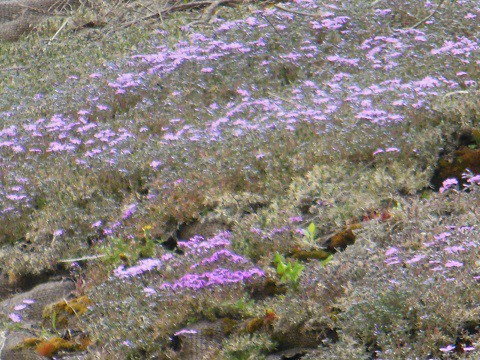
(440, 254)
(206, 263)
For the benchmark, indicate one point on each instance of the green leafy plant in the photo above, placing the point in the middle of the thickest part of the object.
(327, 260)
(288, 271)
(121, 250)
(116, 251)
(243, 304)
(310, 233)
(310, 238)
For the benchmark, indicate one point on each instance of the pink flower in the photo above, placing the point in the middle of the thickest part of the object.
(129, 211)
(392, 261)
(167, 257)
(58, 232)
(391, 251)
(392, 149)
(415, 259)
(97, 224)
(454, 249)
(149, 291)
(15, 317)
(154, 164)
(447, 184)
(142, 266)
(474, 179)
(186, 331)
(453, 263)
(442, 236)
(447, 348)
(102, 107)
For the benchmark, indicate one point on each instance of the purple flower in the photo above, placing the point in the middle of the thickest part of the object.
(217, 277)
(15, 197)
(343, 61)
(442, 236)
(149, 291)
(58, 232)
(453, 263)
(227, 254)
(474, 179)
(97, 224)
(154, 164)
(454, 249)
(167, 257)
(447, 184)
(129, 211)
(392, 261)
(142, 266)
(383, 12)
(427, 82)
(15, 317)
(447, 348)
(415, 259)
(392, 149)
(391, 251)
(199, 244)
(186, 331)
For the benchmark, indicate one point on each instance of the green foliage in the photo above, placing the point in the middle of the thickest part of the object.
(120, 250)
(289, 272)
(310, 233)
(324, 262)
(244, 304)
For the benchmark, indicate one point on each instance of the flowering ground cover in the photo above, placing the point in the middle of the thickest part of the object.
(360, 118)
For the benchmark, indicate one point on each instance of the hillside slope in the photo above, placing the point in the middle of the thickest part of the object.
(241, 180)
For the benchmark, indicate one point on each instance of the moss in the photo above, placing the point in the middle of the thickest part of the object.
(311, 254)
(340, 240)
(51, 346)
(268, 288)
(263, 323)
(254, 325)
(31, 342)
(59, 314)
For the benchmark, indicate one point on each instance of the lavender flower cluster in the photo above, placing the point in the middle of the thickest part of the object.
(206, 263)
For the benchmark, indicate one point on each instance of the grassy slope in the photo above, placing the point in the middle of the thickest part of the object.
(259, 123)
